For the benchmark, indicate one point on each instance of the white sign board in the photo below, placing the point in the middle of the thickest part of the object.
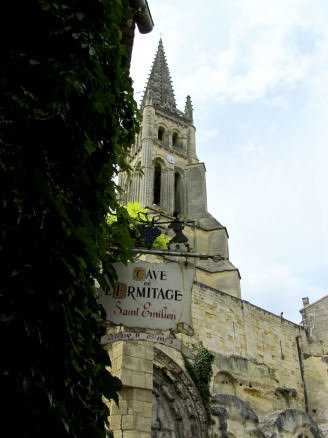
(151, 295)
(139, 336)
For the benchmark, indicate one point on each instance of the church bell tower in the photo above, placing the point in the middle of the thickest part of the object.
(173, 179)
(168, 178)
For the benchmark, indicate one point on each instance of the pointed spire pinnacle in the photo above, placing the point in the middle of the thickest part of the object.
(148, 98)
(188, 109)
(159, 85)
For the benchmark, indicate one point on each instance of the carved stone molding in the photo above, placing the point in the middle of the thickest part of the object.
(178, 411)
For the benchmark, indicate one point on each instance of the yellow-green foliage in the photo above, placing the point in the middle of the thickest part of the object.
(136, 212)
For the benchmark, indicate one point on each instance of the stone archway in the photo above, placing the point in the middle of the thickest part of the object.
(178, 411)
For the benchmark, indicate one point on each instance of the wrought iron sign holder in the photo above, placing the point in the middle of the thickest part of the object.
(150, 229)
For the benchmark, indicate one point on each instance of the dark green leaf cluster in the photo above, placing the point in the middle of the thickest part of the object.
(67, 120)
(200, 370)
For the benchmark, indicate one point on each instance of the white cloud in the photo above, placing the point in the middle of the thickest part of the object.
(278, 288)
(259, 52)
(277, 101)
(260, 49)
(257, 72)
(250, 148)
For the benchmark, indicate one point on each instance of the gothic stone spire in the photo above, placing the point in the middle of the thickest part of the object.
(159, 85)
(188, 109)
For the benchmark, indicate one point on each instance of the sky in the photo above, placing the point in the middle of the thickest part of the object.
(257, 74)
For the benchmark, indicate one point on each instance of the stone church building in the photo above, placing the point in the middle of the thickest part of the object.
(270, 376)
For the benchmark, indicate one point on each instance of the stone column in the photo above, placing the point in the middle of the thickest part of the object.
(170, 191)
(165, 192)
(146, 193)
(132, 362)
(191, 138)
(184, 194)
(191, 145)
(134, 187)
(138, 187)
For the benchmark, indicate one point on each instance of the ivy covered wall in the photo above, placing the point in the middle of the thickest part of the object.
(67, 120)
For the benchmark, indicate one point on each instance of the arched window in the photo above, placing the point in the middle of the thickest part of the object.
(175, 139)
(160, 134)
(157, 184)
(177, 193)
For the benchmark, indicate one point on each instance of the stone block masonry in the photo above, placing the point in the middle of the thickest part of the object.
(133, 364)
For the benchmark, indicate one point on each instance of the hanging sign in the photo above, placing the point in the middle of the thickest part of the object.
(151, 295)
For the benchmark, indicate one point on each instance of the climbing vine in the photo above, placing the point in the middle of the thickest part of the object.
(67, 120)
(200, 370)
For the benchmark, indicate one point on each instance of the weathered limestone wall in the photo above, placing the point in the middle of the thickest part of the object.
(316, 377)
(257, 383)
(224, 279)
(315, 359)
(315, 322)
(256, 356)
(196, 194)
(260, 365)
